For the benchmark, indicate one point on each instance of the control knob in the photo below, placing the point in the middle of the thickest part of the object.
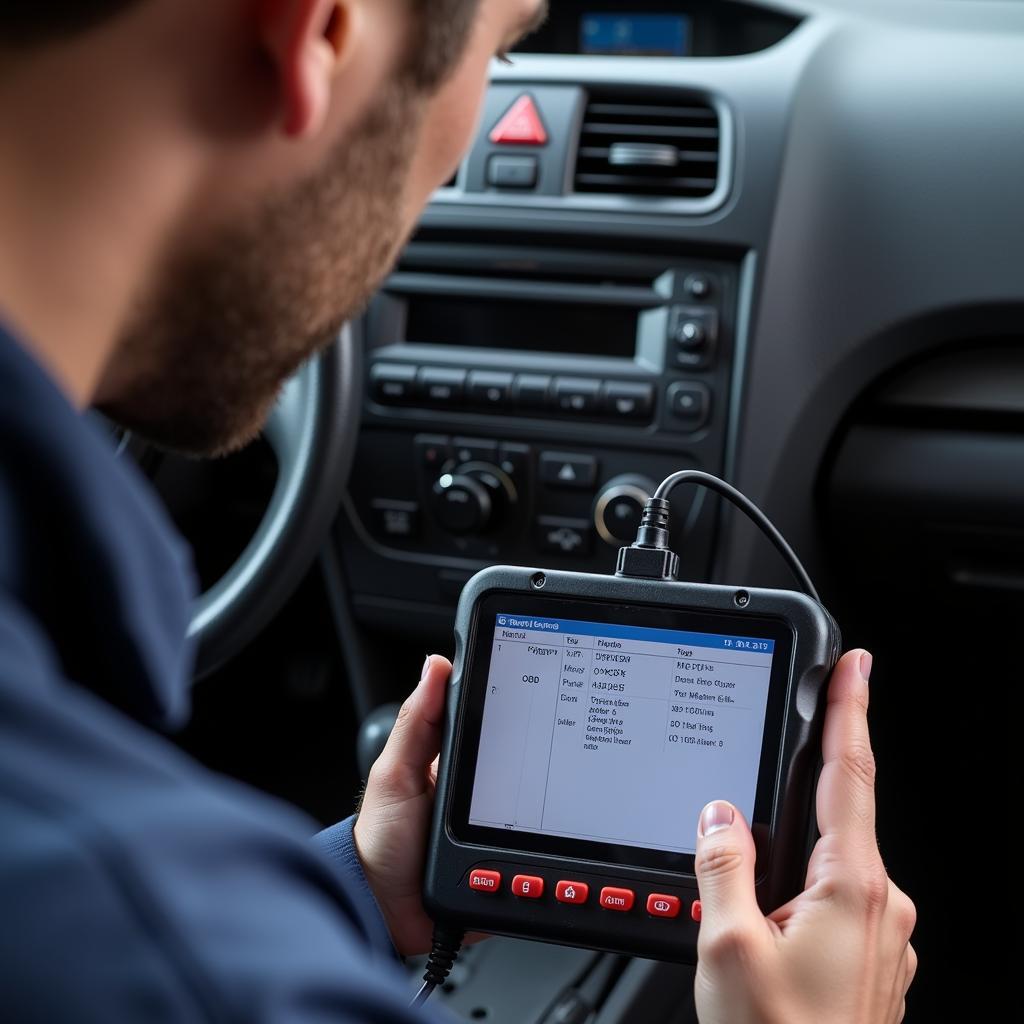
(472, 498)
(620, 506)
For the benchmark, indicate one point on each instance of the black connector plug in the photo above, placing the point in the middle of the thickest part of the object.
(649, 556)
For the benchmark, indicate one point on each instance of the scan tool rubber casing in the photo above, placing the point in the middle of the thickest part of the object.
(783, 842)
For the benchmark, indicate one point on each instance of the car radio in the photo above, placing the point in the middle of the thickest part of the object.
(591, 718)
(521, 405)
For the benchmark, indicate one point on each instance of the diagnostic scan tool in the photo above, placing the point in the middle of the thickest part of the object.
(590, 719)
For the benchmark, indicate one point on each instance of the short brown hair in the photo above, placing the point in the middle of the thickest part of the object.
(443, 28)
(31, 24)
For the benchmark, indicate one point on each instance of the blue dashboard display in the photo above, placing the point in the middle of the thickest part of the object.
(637, 35)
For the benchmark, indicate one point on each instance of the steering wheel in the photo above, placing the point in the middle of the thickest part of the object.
(312, 433)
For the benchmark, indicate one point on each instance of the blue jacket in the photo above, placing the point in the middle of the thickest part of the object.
(135, 885)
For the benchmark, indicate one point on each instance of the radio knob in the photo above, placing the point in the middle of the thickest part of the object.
(619, 508)
(472, 498)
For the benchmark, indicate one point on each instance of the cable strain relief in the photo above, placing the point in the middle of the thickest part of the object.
(443, 953)
(654, 525)
(647, 563)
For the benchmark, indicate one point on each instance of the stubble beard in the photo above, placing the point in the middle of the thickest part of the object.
(204, 359)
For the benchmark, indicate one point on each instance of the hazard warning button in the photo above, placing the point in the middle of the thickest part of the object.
(521, 125)
(568, 470)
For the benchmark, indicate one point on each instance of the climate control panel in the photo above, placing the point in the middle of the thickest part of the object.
(426, 511)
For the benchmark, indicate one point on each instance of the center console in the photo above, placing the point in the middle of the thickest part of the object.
(521, 403)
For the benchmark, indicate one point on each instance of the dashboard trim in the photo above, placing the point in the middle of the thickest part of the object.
(590, 203)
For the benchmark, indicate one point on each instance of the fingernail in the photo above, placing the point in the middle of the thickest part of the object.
(426, 668)
(715, 817)
(866, 661)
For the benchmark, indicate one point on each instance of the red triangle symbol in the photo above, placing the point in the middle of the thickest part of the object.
(521, 126)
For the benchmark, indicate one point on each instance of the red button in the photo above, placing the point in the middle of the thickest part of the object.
(572, 892)
(616, 899)
(529, 886)
(695, 910)
(663, 906)
(484, 881)
(521, 125)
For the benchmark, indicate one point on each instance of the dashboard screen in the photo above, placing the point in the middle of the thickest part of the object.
(616, 733)
(565, 328)
(637, 35)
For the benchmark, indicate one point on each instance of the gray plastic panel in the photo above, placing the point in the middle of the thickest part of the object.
(986, 382)
(508, 981)
(876, 181)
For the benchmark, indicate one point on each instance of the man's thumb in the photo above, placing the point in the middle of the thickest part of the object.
(725, 873)
(401, 769)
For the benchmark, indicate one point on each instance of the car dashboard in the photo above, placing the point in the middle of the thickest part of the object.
(706, 262)
(780, 242)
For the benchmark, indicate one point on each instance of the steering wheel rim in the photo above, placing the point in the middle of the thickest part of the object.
(312, 433)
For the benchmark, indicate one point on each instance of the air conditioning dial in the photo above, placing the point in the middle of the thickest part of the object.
(619, 507)
(473, 498)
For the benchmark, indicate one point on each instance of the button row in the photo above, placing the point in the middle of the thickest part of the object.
(439, 453)
(399, 383)
(610, 898)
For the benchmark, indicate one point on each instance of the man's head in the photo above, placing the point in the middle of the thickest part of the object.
(303, 137)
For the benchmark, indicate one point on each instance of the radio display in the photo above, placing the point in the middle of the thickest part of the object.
(555, 327)
(636, 35)
(657, 722)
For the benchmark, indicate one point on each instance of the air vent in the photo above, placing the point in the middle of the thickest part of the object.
(655, 145)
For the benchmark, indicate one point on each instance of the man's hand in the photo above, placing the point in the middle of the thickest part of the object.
(840, 952)
(391, 830)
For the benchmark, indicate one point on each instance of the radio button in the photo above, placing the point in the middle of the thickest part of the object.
(528, 886)
(392, 382)
(559, 536)
(659, 905)
(693, 327)
(572, 892)
(699, 286)
(570, 471)
(690, 404)
(628, 401)
(531, 391)
(442, 387)
(617, 899)
(577, 395)
(489, 389)
(695, 911)
(484, 881)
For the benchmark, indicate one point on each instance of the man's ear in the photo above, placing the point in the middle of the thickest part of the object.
(308, 41)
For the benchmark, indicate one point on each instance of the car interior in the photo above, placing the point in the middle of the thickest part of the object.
(781, 242)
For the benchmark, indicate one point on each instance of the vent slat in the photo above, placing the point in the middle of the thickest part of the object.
(634, 135)
(630, 110)
(660, 131)
(629, 181)
(685, 155)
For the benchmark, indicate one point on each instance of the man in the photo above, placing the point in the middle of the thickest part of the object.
(194, 195)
